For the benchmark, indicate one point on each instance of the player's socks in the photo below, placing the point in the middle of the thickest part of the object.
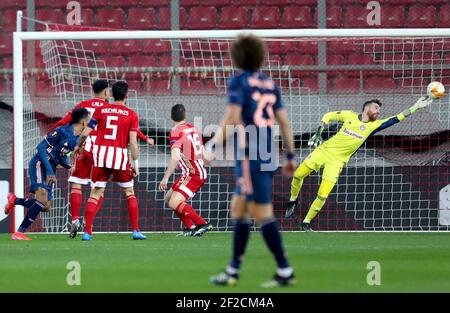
(188, 211)
(133, 212)
(76, 199)
(297, 181)
(28, 203)
(89, 214)
(315, 208)
(240, 238)
(273, 240)
(99, 204)
(186, 220)
(31, 216)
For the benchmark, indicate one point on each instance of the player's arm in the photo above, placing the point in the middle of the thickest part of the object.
(335, 116)
(86, 131)
(134, 149)
(145, 138)
(62, 122)
(175, 157)
(64, 162)
(423, 102)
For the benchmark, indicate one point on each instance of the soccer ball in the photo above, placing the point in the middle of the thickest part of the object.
(435, 90)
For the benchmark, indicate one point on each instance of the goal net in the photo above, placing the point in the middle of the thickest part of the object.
(396, 181)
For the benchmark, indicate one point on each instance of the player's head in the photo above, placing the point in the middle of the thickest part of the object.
(372, 109)
(101, 88)
(120, 91)
(178, 113)
(248, 52)
(80, 116)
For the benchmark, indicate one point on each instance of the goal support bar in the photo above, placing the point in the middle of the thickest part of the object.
(19, 37)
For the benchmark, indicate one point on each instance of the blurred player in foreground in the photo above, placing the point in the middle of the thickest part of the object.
(336, 152)
(51, 152)
(187, 150)
(116, 127)
(254, 102)
(81, 174)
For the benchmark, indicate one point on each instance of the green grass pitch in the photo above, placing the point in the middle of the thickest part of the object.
(323, 262)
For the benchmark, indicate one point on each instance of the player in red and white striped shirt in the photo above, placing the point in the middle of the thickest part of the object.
(81, 172)
(187, 152)
(116, 127)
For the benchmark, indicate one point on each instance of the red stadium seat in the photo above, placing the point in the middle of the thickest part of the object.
(191, 87)
(87, 17)
(335, 59)
(344, 84)
(343, 46)
(202, 18)
(54, 16)
(284, 2)
(156, 46)
(164, 18)
(356, 16)
(6, 87)
(142, 61)
(160, 87)
(188, 3)
(426, 58)
(154, 3)
(392, 17)
(296, 17)
(93, 4)
(165, 61)
(282, 47)
(310, 47)
(6, 45)
(361, 59)
(16, 4)
(310, 83)
(117, 61)
(122, 4)
(110, 18)
(43, 88)
(7, 63)
(301, 59)
(233, 17)
(377, 84)
(8, 20)
(334, 17)
(245, 2)
(51, 4)
(421, 16)
(98, 46)
(444, 16)
(265, 17)
(140, 18)
(125, 46)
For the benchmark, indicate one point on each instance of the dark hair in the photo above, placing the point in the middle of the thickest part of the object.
(370, 102)
(119, 90)
(78, 115)
(248, 52)
(178, 113)
(100, 85)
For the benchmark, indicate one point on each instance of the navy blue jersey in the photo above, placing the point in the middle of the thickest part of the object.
(258, 96)
(55, 148)
(260, 99)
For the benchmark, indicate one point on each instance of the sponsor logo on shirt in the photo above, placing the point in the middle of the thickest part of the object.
(350, 133)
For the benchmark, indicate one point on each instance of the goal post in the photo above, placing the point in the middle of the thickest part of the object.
(369, 39)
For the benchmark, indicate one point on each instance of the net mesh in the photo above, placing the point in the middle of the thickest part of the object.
(392, 183)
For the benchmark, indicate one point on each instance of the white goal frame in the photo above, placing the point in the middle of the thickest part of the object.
(19, 37)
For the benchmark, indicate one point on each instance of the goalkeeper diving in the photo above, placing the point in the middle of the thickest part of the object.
(336, 152)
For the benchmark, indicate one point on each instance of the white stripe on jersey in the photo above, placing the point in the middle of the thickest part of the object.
(109, 157)
(184, 167)
(94, 153)
(202, 166)
(200, 172)
(125, 159)
(101, 156)
(118, 161)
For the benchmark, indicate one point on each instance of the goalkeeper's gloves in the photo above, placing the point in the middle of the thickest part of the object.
(423, 102)
(316, 139)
